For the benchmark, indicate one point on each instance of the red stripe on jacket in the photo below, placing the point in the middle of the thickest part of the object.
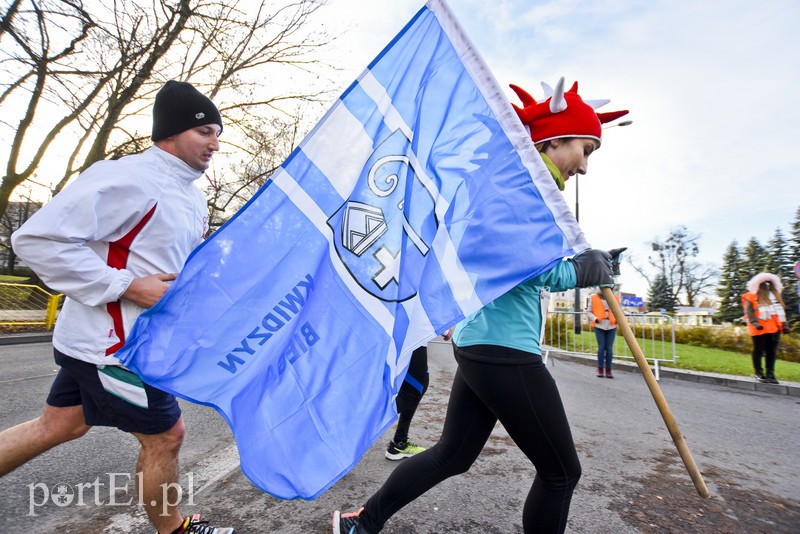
(118, 252)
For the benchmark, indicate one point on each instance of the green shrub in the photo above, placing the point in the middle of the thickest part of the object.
(14, 279)
(560, 333)
(557, 331)
(789, 349)
(734, 339)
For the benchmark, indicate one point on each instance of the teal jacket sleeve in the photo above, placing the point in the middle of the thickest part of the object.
(560, 278)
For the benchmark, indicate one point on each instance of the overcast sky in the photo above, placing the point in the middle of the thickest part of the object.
(711, 85)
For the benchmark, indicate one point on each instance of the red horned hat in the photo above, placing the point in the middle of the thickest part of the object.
(562, 114)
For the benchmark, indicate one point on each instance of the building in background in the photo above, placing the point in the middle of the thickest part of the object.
(15, 216)
(693, 315)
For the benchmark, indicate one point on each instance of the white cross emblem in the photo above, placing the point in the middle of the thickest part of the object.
(390, 268)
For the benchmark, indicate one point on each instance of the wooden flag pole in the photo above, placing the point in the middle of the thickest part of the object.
(658, 396)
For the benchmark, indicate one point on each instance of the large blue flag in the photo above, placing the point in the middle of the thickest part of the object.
(417, 199)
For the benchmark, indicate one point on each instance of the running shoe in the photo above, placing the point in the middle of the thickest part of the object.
(398, 451)
(346, 523)
(194, 525)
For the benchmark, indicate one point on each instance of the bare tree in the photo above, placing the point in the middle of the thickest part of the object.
(77, 78)
(673, 259)
(8, 16)
(265, 149)
(34, 53)
(698, 279)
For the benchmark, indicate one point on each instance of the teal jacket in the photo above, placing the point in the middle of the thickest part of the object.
(515, 319)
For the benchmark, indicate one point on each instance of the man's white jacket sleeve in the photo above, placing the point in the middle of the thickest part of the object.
(66, 241)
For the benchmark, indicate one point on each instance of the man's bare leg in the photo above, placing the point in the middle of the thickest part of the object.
(20, 444)
(157, 474)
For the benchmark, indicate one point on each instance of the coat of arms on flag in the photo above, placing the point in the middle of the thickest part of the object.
(374, 225)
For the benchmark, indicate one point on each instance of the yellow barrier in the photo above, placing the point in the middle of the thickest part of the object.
(28, 304)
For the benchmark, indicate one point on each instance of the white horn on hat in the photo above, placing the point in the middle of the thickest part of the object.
(557, 102)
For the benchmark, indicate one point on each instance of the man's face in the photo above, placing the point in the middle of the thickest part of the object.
(196, 146)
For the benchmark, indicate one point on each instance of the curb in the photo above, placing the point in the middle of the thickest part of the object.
(748, 384)
(19, 339)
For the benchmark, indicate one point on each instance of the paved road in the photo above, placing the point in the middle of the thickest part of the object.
(745, 442)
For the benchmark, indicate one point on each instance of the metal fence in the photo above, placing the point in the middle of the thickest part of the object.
(655, 333)
(28, 304)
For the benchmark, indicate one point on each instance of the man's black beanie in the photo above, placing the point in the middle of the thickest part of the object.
(180, 107)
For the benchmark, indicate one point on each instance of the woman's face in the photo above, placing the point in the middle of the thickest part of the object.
(571, 156)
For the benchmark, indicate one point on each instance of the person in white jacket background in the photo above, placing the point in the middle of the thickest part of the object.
(112, 241)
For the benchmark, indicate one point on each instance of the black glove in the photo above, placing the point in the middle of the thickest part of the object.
(757, 325)
(593, 268)
(616, 258)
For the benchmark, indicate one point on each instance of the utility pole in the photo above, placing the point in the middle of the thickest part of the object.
(577, 304)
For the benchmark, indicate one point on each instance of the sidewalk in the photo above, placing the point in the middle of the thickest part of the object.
(739, 382)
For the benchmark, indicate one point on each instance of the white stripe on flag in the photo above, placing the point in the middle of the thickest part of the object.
(420, 328)
(341, 169)
(373, 88)
(459, 281)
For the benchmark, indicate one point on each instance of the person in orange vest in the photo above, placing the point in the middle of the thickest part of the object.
(765, 313)
(605, 330)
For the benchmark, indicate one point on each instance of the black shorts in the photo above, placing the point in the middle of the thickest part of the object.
(112, 396)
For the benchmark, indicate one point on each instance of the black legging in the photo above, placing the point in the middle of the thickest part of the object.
(766, 344)
(525, 399)
(411, 391)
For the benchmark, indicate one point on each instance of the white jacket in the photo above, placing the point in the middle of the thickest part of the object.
(119, 220)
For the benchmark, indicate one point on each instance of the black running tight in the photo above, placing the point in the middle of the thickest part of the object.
(411, 391)
(525, 399)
